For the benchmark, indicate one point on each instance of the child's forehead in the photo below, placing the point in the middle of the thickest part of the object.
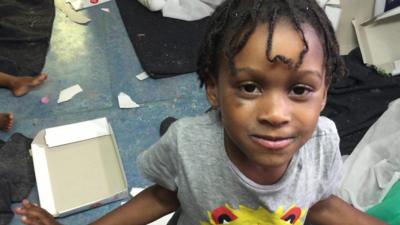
(286, 40)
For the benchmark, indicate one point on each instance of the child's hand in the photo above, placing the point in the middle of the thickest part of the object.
(34, 215)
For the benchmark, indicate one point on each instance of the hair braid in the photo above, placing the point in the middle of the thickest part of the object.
(234, 21)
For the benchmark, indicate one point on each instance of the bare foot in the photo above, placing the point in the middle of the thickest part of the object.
(32, 214)
(6, 121)
(22, 85)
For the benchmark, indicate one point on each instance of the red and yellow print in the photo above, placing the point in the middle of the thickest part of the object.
(261, 216)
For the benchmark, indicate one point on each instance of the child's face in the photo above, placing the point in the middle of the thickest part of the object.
(268, 109)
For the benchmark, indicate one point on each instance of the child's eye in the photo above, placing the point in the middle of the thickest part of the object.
(300, 90)
(250, 88)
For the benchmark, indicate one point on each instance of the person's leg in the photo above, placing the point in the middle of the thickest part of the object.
(21, 85)
(6, 121)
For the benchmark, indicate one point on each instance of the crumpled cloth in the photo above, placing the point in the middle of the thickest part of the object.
(374, 166)
(17, 176)
(191, 10)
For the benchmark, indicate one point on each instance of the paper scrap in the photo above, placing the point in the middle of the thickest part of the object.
(74, 16)
(142, 76)
(45, 100)
(163, 220)
(81, 4)
(125, 102)
(68, 93)
(134, 191)
(105, 9)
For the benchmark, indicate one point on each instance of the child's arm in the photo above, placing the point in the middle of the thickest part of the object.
(32, 214)
(335, 211)
(149, 205)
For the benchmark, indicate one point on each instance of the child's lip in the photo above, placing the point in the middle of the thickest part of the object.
(272, 142)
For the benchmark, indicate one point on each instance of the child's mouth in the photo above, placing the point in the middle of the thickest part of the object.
(273, 143)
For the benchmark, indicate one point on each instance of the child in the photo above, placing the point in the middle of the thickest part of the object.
(21, 85)
(263, 155)
(6, 121)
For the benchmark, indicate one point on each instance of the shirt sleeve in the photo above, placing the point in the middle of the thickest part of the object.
(333, 167)
(159, 162)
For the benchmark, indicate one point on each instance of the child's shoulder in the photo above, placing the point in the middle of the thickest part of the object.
(325, 127)
(204, 127)
(207, 120)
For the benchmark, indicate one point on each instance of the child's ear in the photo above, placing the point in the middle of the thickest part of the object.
(212, 91)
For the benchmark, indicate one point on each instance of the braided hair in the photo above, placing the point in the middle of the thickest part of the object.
(234, 21)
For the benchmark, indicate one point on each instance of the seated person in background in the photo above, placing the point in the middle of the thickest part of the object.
(21, 85)
(263, 155)
(6, 121)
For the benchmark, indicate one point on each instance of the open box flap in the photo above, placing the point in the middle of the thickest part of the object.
(390, 13)
(75, 132)
(42, 174)
(378, 40)
(64, 189)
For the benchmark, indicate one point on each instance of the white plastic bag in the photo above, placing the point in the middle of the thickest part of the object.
(374, 166)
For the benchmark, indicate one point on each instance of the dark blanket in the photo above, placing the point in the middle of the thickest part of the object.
(25, 30)
(164, 46)
(356, 102)
(17, 176)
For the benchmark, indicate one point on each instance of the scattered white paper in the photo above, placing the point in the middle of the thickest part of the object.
(105, 9)
(68, 93)
(81, 4)
(125, 102)
(163, 220)
(142, 76)
(73, 15)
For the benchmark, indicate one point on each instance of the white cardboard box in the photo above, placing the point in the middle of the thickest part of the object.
(379, 38)
(78, 167)
(360, 10)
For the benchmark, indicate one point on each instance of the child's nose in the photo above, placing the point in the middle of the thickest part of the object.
(274, 110)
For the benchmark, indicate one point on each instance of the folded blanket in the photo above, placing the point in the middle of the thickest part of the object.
(16, 174)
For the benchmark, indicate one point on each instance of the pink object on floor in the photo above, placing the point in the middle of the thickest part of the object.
(45, 99)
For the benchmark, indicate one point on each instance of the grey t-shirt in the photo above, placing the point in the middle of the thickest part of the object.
(191, 159)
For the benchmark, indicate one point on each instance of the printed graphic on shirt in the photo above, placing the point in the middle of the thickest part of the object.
(261, 216)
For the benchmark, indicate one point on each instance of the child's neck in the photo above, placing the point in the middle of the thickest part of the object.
(253, 171)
